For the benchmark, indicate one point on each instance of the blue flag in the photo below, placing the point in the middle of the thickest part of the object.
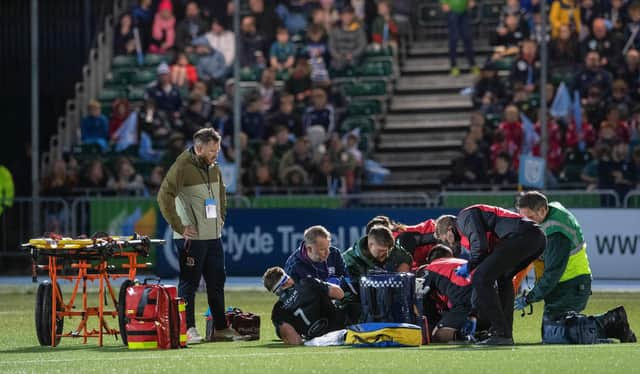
(561, 106)
(531, 171)
(531, 137)
(228, 170)
(577, 117)
(127, 134)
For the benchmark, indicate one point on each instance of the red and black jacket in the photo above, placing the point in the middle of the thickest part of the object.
(426, 241)
(482, 226)
(452, 289)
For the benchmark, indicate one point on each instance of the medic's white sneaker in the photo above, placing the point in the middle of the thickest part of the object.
(193, 337)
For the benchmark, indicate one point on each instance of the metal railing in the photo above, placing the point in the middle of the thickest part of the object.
(16, 222)
(571, 199)
(632, 199)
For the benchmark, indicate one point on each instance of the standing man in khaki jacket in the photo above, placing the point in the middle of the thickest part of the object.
(192, 199)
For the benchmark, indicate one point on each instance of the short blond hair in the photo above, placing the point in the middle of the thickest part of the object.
(93, 104)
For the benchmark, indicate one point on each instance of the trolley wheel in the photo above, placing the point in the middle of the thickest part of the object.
(38, 314)
(43, 315)
(122, 308)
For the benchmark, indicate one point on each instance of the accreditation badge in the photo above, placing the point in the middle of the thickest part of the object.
(210, 208)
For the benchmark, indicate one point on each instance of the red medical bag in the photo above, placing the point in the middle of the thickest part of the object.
(156, 317)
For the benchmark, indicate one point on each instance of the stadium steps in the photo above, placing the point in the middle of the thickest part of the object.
(420, 66)
(430, 103)
(432, 49)
(427, 119)
(431, 84)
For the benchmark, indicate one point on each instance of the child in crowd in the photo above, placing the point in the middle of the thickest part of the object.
(384, 30)
(282, 51)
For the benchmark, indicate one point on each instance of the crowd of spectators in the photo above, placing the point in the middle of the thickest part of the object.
(290, 119)
(593, 78)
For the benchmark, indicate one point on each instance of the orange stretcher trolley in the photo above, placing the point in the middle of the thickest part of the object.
(100, 258)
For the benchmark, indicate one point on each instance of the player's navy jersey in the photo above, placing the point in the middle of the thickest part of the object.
(481, 226)
(307, 307)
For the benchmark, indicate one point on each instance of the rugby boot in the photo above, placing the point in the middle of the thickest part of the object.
(615, 324)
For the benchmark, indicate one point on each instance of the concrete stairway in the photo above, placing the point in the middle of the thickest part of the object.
(427, 120)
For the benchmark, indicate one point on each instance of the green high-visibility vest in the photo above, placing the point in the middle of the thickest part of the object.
(6, 188)
(560, 220)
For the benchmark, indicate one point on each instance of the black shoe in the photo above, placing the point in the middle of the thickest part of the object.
(616, 325)
(496, 340)
(622, 329)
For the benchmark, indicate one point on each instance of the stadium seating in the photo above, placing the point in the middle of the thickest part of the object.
(123, 62)
(151, 59)
(144, 76)
(136, 94)
(364, 108)
(365, 89)
(364, 123)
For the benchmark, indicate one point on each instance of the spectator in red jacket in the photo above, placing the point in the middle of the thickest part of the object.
(588, 135)
(511, 127)
(500, 145)
(120, 112)
(555, 153)
(620, 127)
(182, 72)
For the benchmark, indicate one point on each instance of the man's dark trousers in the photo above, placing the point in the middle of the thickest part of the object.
(510, 255)
(460, 28)
(208, 261)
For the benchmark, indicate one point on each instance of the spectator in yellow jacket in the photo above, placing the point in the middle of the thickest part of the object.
(564, 12)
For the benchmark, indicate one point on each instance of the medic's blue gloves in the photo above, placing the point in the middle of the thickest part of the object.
(520, 303)
(469, 327)
(463, 271)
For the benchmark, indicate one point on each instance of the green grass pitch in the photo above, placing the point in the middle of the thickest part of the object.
(20, 352)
